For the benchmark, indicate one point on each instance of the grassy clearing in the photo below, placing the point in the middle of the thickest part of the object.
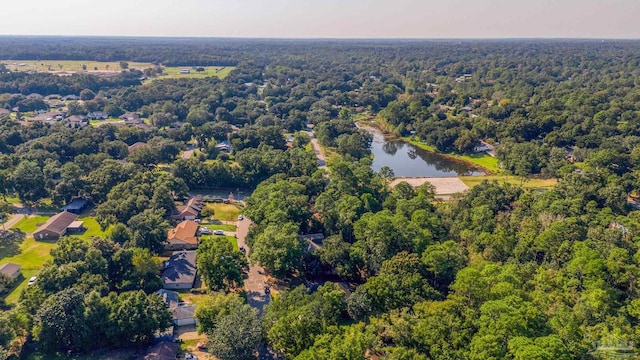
(225, 212)
(230, 239)
(28, 253)
(531, 183)
(30, 224)
(70, 65)
(96, 123)
(92, 228)
(482, 160)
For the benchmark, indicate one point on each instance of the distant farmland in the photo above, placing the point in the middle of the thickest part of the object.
(99, 67)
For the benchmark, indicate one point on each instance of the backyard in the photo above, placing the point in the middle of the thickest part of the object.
(225, 212)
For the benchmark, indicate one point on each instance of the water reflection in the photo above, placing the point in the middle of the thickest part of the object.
(407, 160)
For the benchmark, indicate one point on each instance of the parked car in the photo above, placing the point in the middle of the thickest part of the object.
(218, 232)
(198, 220)
(267, 290)
(240, 218)
(32, 280)
(241, 248)
(190, 357)
(205, 231)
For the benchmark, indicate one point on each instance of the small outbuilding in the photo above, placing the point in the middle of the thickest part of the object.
(13, 271)
(76, 206)
(184, 315)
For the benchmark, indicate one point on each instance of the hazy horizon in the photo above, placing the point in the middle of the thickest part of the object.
(330, 19)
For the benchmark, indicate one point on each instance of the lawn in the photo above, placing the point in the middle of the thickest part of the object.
(220, 72)
(28, 253)
(225, 212)
(92, 228)
(95, 122)
(30, 224)
(230, 239)
(482, 160)
(532, 183)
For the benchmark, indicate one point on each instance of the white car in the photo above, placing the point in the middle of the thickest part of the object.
(190, 357)
(240, 218)
(218, 232)
(205, 231)
(32, 280)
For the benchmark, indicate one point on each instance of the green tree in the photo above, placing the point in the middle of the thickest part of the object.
(149, 230)
(220, 266)
(236, 335)
(28, 181)
(279, 248)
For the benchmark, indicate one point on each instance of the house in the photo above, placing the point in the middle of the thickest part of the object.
(185, 71)
(77, 206)
(314, 241)
(77, 121)
(184, 315)
(48, 117)
(52, 97)
(55, 227)
(130, 117)
(98, 115)
(70, 98)
(188, 211)
(171, 298)
(183, 237)
(164, 350)
(180, 271)
(11, 270)
(135, 146)
(224, 146)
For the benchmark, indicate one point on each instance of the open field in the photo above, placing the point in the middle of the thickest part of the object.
(220, 72)
(225, 212)
(70, 65)
(28, 253)
(531, 183)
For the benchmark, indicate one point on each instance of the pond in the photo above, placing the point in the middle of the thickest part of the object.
(406, 160)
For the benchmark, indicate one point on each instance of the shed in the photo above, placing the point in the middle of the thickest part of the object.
(76, 206)
(11, 270)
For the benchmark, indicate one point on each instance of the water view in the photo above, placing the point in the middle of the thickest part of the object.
(407, 160)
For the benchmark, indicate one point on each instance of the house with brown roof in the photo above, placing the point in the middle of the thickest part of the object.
(137, 145)
(55, 227)
(183, 236)
(189, 211)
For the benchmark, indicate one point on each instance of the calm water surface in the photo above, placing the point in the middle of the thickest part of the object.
(407, 160)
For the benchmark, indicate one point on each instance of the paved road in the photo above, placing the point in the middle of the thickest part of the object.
(13, 219)
(318, 150)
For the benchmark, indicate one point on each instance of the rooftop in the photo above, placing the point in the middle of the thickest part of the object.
(58, 223)
(181, 268)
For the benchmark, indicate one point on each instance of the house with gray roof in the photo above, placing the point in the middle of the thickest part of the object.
(179, 271)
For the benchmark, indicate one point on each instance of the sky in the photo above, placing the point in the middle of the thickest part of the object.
(325, 18)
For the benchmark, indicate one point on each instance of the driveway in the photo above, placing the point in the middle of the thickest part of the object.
(256, 281)
(254, 284)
